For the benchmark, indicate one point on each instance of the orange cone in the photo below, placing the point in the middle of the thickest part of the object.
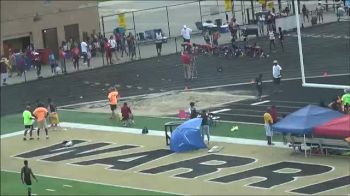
(325, 74)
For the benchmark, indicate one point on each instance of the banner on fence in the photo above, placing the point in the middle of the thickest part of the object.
(270, 4)
(121, 21)
(228, 5)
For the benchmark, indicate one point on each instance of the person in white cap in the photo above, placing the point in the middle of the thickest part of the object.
(276, 74)
(186, 33)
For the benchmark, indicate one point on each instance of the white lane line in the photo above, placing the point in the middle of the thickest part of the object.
(99, 183)
(51, 190)
(66, 185)
(12, 134)
(222, 110)
(261, 102)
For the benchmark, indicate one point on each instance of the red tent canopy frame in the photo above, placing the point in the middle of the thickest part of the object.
(336, 128)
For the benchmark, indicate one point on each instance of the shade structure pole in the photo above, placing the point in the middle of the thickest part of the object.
(305, 146)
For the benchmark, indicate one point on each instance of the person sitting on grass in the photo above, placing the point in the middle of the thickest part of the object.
(127, 116)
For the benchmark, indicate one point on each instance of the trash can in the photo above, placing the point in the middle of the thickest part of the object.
(141, 36)
(218, 22)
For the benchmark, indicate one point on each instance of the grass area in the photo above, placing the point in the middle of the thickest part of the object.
(12, 123)
(11, 185)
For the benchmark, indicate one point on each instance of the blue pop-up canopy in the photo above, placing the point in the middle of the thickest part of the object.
(187, 136)
(305, 119)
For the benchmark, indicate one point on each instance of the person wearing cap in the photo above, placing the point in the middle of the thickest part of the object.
(346, 100)
(186, 33)
(276, 74)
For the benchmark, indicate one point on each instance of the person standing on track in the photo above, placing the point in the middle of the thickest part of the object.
(268, 121)
(113, 100)
(186, 61)
(259, 86)
(26, 174)
(276, 74)
(186, 34)
(159, 42)
(28, 123)
(41, 113)
(281, 37)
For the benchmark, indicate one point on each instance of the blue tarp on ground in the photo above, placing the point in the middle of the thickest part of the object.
(305, 119)
(187, 136)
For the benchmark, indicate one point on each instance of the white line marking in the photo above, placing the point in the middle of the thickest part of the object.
(261, 102)
(98, 183)
(161, 134)
(66, 185)
(12, 134)
(51, 190)
(222, 110)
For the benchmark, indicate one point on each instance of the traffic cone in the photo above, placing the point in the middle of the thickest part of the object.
(325, 74)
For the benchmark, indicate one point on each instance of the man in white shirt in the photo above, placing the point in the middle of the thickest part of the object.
(84, 49)
(276, 74)
(159, 41)
(186, 33)
(113, 44)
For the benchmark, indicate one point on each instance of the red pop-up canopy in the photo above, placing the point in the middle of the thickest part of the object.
(336, 128)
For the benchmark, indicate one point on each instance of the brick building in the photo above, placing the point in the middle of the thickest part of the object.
(46, 23)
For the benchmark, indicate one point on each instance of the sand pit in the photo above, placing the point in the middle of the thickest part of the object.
(170, 103)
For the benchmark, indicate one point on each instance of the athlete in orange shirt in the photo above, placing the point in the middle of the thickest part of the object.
(113, 100)
(41, 114)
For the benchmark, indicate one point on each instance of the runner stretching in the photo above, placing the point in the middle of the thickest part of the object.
(26, 173)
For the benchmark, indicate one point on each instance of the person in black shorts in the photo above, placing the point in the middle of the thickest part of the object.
(26, 174)
(159, 41)
(259, 85)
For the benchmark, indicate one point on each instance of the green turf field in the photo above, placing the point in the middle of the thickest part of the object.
(12, 185)
(12, 123)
